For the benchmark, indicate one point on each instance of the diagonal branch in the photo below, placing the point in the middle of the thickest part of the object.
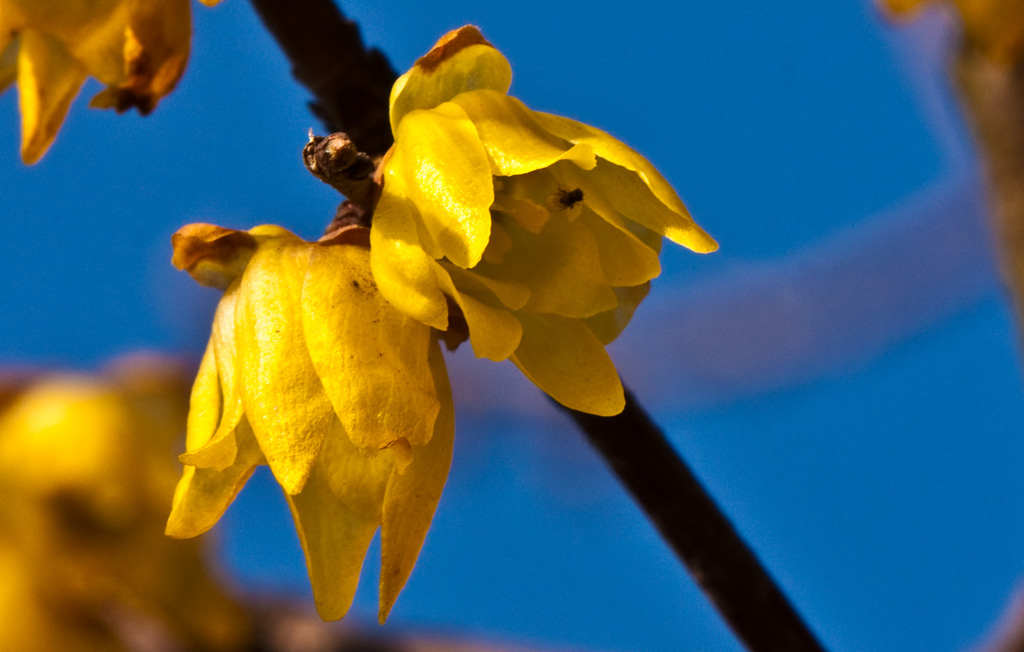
(697, 530)
(350, 83)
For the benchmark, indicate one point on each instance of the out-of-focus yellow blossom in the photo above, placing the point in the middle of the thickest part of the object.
(138, 48)
(540, 232)
(311, 371)
(994, 26)
(85, 484)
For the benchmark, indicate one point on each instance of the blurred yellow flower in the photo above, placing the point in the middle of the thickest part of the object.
(310, 371)
(85, 482)
(138, 48)
(535, 233)
(996, 27)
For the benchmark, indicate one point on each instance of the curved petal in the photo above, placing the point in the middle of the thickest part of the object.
(48, 80)
(494, 332)
(371, 358)
(626, 259)
(412, 496)
(561, 266)
(156, 44)
(515, 142)
(205, 403)
(336, 515)
(444, 171)
(629, 180)
(404, 274)
(608, 325)
(219, 451)
(566, 360)
(460, 61)
(283, 397)
(202, 495)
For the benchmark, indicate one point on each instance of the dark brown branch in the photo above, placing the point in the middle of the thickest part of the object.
(699, 533)
(993, 95)
(351, 84)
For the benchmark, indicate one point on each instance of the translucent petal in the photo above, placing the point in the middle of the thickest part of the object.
(629, 179)
(446, 174)
(512, 294)
(219, 451)
(371, 358)
(608, 325)
(566, 360)
(48, 80)
(493, 331)
(284, 400)
(337, 520)
(205, 403)
(461, 61)
(412, 496)
(561, 266)
(625, 258)
(405, 275)
(202, 495)
(515, 142)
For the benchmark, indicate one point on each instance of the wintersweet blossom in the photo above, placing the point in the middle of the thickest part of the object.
(996, 27)
(86, 478)
(138, 48)
(535, 233)
(312, 372)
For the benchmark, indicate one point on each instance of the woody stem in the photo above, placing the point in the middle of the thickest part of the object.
(700, 534)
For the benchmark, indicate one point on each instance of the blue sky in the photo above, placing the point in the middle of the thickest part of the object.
(843, 374)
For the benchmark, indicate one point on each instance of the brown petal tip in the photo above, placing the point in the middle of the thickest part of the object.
(449, 45)
(351, 234)
(213, 255)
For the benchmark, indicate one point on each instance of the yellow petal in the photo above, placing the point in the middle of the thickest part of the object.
(8, 62)
(48, 80)
(337, 520)
(92, 32)
(371, 358)
(630, 180)
(205, 403)
(460, 61)
(284, 400)
(202, 495)
(566, 360)
(512, 294)
(561, 266)
(219, 451)
(405, 275)
(625, 258)
(515, 142)
(444, 170)
(412, 496)
(493, 331)
(156, 44)
(608, 325)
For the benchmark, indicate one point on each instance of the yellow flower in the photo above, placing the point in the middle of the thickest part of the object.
(85, 482)
(535, 233)
(138, 48)
(996, 27)
(310, 371)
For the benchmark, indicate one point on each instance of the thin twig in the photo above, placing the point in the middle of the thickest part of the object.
(351, 83)
(696, 529)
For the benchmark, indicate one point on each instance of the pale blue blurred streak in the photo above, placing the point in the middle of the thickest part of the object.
(843, 374)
